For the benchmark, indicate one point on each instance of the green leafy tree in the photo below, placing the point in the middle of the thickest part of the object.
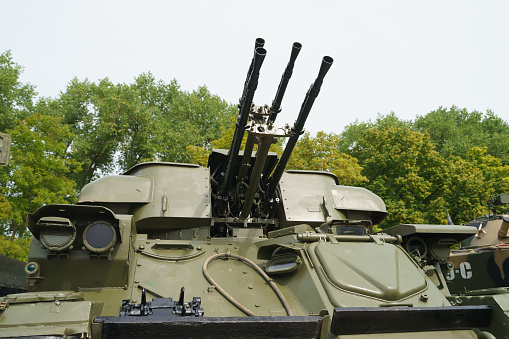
(117, 126)
(38, 170)
(90, 129)
(495, 173)
(353, 132)
(455, 131)
(16, 98)
(472, 181)
(96, 115)
(321, 153)
(16, 248)
(418, 175)
(405, 171)
(467, 191)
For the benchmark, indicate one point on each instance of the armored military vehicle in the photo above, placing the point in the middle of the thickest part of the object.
(241, 248)
(479, 270)
(483, 260)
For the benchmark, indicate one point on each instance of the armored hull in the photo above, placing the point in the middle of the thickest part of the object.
(12, 276)
(241, 248)
(484, 262)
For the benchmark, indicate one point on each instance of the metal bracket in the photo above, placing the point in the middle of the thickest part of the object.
(162, 307)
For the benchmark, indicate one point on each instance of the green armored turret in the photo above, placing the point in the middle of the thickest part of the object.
(241, 248)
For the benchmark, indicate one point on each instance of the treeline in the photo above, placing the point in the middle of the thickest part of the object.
(91, 129)
(448, 158)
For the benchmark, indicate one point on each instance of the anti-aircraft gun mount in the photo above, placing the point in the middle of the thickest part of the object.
(244, 184)
(263, 252)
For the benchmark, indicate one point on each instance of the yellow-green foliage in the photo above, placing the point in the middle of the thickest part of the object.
(16, 248)
(416, 181)
(321, 153)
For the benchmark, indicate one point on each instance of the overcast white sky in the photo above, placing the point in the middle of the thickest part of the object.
(405, 56)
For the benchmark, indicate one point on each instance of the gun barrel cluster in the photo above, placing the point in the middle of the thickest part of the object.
(259, 178)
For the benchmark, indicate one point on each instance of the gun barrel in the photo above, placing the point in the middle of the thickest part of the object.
(259, 43)
(298, 127)
(245, 105)
(276, 104)
(312, 94)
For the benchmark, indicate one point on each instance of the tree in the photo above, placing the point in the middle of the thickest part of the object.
(16, 248)
(38, 170)
(405, 171)
(467, 190)
(62, 143)
(16, 99)
(321, 153)
(117, 126)
(455, 131)
(473, 181)
(353, 132)
(420, 171)
(495, 173)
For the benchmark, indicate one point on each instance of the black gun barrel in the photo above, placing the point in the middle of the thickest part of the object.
(298, 127)
(287, 74)
(259, 43)
(312, 94)
(245, 105)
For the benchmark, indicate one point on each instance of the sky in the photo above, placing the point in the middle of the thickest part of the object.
(406, 57)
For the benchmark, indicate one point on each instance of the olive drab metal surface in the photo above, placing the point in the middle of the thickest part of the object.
(482, 262)
(12, 276)
(240, 248)
(478, 272)
(5, 148)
